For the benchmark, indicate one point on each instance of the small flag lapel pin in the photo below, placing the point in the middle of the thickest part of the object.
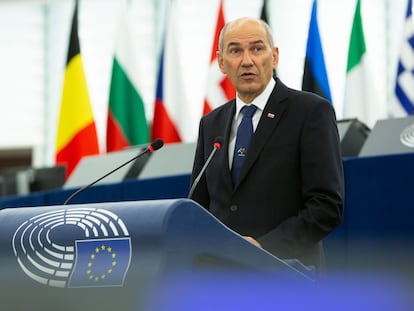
(270, 115)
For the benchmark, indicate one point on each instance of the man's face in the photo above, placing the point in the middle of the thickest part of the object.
(247, 58)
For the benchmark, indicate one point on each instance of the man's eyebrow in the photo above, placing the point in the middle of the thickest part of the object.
(233, 44)
(256, 42)
(230, 44)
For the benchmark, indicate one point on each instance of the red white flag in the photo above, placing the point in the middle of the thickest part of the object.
(219, 87)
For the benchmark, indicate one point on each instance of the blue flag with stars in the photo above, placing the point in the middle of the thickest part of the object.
(101, 262)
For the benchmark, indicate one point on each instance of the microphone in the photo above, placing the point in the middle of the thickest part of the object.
(218, 142)
(155, 145)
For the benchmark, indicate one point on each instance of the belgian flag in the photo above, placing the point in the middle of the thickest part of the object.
(76, 135)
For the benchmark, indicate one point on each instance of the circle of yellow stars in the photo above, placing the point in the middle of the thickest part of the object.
(101, 251)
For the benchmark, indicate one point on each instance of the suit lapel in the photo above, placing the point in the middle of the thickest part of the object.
(269, 120)
(223, 156)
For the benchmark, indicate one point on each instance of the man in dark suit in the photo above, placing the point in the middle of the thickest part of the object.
(289, 193)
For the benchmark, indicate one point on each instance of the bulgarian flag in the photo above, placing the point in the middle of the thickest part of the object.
(76, 135)
(127, 123)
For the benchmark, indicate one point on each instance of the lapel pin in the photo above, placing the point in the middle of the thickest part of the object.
(270, 115)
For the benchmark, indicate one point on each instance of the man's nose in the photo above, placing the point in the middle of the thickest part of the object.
(247, 59)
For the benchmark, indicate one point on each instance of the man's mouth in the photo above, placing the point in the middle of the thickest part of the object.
(247, 75)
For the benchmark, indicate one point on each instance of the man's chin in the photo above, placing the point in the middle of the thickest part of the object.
(249, 88)
(248, 94)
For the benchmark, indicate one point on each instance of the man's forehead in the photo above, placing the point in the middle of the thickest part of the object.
(247, 30)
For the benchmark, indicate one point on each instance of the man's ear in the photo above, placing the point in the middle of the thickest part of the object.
(220, 61)
(275, 57)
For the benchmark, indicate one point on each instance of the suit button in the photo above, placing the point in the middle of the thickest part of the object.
(234, 208)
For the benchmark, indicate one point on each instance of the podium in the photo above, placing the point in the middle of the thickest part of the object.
(111, 252)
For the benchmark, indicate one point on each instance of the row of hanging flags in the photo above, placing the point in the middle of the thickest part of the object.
(127, 124)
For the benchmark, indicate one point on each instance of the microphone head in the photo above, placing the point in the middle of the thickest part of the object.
(156, 144)
(218, 142)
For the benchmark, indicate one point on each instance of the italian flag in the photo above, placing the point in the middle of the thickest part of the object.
(76, 134)
(126, 123)
(359, 94)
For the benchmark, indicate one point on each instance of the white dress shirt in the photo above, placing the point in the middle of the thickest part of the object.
(260, 102)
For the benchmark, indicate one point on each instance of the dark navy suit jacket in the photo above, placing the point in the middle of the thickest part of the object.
(290, 193)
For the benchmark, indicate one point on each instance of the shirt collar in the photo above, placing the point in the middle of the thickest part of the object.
(260, 101)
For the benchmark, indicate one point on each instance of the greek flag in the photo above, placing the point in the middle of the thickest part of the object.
(404, 89)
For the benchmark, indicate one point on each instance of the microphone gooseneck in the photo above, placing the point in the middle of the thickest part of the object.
(155, 145)
(218, 142)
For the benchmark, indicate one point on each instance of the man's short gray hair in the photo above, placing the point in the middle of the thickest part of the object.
(265, 25)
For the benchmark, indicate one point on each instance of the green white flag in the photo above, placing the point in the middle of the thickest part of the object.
(359, 93)
(127, 123)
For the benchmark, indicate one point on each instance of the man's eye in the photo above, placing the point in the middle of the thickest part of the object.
(234, 51)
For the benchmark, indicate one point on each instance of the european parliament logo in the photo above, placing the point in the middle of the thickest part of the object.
(75, 247)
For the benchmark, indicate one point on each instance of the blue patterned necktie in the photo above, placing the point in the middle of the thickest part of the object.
(243, 138)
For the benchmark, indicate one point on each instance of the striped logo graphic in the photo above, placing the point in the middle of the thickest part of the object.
(76, 247)
(407, 136)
